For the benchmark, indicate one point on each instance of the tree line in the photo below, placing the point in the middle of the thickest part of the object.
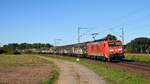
(13, 47)
(138, 45)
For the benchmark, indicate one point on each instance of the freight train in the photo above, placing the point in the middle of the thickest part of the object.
(103, 49)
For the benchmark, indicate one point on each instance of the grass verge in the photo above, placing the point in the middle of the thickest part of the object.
(112, 75)
(138, 57)
(51, 78)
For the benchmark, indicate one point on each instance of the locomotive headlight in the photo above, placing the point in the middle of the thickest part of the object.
(111, 50)
(120, 49)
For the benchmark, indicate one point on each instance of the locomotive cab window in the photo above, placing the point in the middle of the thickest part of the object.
(114, 43)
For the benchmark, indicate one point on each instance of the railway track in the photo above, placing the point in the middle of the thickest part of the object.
(138, 68)
(145, 66)
(140, 64)
(137, 65)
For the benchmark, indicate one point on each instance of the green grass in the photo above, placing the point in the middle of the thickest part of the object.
(138, 57)
(112, 75)
(51, 78)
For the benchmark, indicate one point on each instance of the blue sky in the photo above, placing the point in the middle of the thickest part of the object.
(45, 20)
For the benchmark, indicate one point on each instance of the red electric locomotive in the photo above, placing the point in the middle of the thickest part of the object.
(107, 49)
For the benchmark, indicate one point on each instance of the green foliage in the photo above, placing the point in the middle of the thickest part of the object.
(139, 45)
(10, 48)
(1, 51)
(16, 53)
(14, 47)
(51, 78)
(138, 57)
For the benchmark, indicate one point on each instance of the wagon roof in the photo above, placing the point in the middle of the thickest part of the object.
(81, 44)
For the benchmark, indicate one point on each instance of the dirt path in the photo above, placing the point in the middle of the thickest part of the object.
(73, 73)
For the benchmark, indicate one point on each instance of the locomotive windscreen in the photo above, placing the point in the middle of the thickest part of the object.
(114, 43)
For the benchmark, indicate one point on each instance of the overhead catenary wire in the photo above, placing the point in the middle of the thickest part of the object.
(119, 26)
(112, 29)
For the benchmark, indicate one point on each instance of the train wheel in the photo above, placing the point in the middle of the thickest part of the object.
(90, 57)
(108, 59)
(121, 59)
(95, 57)
(104, 59)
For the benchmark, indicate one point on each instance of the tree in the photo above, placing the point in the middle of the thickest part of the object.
(1, 51)
(138, 45)
(13, 48)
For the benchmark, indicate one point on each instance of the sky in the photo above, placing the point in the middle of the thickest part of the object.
(43, 21)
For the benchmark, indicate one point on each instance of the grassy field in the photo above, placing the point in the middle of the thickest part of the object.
(24, 68)
(8, 61)
(112, 75)
(138, 57)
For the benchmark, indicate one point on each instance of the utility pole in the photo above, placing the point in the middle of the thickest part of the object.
(122, 29)
(56, 41)
(79, 28)
(94, 36)
(55, 44)
(78, 35)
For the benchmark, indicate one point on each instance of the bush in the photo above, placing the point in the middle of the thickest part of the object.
(2, 51)
(16, 53)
